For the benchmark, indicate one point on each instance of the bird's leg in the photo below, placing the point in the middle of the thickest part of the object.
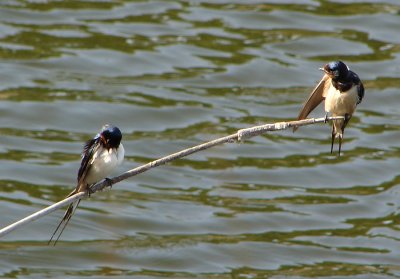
(333, 137)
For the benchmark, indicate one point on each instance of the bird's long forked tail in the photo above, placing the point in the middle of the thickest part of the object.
(67, 216)
(340, 136)
(338, 131)
(333, 139)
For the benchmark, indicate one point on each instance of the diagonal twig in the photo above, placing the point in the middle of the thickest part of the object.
(240, 135)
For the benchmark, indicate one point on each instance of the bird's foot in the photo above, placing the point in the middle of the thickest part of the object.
(89, 192)
(326, 118)
(108, 182)
(347, 118)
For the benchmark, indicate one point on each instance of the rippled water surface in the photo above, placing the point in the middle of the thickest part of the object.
(173, 74)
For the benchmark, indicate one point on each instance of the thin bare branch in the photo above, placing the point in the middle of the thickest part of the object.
(240, 135)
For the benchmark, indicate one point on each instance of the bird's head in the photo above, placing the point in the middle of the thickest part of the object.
(336, 70)
(110, 136)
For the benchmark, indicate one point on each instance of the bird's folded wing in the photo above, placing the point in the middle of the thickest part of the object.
(315, 98)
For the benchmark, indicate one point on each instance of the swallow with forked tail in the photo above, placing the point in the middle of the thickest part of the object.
(100, 157)
(342, 91)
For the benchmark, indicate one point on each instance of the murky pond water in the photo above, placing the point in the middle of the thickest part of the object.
(173, 74)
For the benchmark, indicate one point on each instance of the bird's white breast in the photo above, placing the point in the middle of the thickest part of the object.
(104, 162)
(341, 103)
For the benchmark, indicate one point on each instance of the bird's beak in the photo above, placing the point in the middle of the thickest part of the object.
(322, 69)
(104, 141)
(107, 145)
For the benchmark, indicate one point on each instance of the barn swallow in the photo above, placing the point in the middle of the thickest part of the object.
(342, 91)
(100, 157)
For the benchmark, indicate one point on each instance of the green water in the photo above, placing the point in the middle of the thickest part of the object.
(173, 74)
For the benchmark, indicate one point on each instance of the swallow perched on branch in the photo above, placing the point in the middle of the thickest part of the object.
(342, 91)
(100, 157)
